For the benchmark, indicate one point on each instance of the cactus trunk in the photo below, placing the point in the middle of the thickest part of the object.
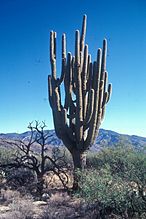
(79, 160)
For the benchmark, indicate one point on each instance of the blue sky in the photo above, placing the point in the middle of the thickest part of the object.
(24, 58)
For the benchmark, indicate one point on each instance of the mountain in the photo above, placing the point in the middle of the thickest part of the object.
(106, 138)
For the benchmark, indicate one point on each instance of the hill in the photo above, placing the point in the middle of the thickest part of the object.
(106, 138)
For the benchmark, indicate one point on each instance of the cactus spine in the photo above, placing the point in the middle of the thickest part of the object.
(87, 92)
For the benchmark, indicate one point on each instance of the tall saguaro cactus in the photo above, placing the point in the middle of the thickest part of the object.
(78, 117)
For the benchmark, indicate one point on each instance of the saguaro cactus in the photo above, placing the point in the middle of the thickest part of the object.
(78, 117)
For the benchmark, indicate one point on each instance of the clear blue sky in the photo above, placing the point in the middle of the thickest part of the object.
(24, 58)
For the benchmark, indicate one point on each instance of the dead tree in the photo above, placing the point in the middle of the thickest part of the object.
(32, 153)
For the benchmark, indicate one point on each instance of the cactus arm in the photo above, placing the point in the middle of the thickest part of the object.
(55, 36)
(52, 55)
(73, 75)
(89, 81)
(100, 101)
(56, 125)
(94, 85)
(57, 113)
(104, 55)
(82, 40)
(61, 127)
(72, 116)
(90, 108)
(50, 95)
(109, 92)
(105, 97)
(105, 80)
(51, 46)
(79, 102)
(83, 33)
(84, 80)
(57, 100)
(81, 60)
(63, 70)
(68, 81)
(88, 66)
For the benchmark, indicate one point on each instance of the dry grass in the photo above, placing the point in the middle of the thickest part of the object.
(22, 208)
(53, 181)
(16, 206)
(59, 205)
(7, 196)
(59, 198)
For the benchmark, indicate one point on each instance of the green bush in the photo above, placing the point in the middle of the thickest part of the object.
(122, 161)
(115, 179)
(6, 155)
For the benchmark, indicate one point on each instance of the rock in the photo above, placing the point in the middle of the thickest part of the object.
(45, 196)
(4, 209)
(40, 203)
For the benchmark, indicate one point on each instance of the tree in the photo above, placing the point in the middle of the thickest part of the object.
(33, 154)
(78, 119)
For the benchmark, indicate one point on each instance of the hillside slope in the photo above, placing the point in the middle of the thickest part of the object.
(106, 138)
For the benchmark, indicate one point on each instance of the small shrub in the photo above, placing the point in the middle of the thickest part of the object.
(6, 155)
(123, 162)
(19, 177)
(9, 195)
(59, 199)
(21, 208)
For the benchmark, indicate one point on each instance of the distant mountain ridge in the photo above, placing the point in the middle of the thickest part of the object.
(106, 138)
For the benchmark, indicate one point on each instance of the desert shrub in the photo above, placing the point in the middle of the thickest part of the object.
(122, 161)
(8, 195)
(115, 179)
(22, 208)
(61, 205)
(6, 155)
(115, 157)
(112, 193)
(19, 177)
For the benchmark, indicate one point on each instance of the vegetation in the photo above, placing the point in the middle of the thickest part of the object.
(116, 181)
(113, 185)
